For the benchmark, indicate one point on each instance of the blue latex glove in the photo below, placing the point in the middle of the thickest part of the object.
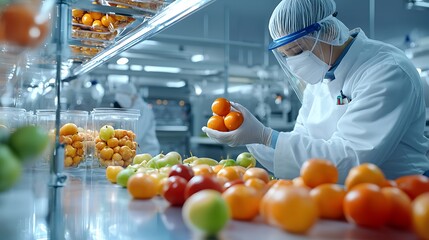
(250, 131)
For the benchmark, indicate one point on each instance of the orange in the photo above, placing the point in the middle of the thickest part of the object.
(243, 202)
(420, 208)
(257, 184)
(299, 182)
(400, 208)
(365, 205)
(68, 129)
(365, 173)
(329, 198)
(279, 182)
(389, 183)
(413, 185)
(241, 170)
(256, 173)
(221, 106)
(18, 22)
(96, 15)
(318, 171)
(290, 208)
(87, 19)
(233, 120)
(229, 173)
(202, 169)
(217, 168)
(142, 186)
(216, 122)
(77, 13)
(112, 172)
(106, 20)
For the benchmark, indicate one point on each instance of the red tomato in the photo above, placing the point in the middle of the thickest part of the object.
(181, 170)
(413, 185)
(174, 190)
(201, 182)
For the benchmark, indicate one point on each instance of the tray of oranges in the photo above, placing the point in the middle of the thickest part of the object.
(97, 26)
(148, 7)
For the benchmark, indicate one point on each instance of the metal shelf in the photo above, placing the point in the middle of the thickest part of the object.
(173, 13)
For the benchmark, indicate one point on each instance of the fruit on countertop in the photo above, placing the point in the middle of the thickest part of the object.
(10, 168)
(206, 212)
(28, 142)
(115, 147)
(420, 210)
(73, 140)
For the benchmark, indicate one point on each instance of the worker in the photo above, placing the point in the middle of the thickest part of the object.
(126, 96)
(362, 100)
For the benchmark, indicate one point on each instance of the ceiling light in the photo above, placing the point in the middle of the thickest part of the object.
(197, 58)
(161, 69)
(122, 61)
(177, 84)
(136, 67)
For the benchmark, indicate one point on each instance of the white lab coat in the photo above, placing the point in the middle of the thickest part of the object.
(146, 132)
(383, 124)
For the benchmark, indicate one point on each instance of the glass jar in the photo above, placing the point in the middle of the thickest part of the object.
(12, 118)
(115, 136)
(73, 134)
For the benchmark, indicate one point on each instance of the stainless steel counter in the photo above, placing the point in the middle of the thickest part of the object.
(89, 207)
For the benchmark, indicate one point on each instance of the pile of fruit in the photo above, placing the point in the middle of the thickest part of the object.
(17, 147)
(223, 118)
(73, 141)
(213, 194)
(141, 5)
(99, 22)
(115, 147)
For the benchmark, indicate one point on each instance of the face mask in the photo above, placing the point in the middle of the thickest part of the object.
(308, 67)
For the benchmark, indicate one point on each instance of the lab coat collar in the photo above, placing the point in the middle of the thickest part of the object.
(348, 61)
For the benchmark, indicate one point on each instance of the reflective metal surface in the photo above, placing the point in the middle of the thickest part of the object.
(89, 207)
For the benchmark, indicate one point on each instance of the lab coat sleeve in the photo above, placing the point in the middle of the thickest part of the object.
(373, 124)
(263, 154)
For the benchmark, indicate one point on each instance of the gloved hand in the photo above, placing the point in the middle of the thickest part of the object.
(250, 131)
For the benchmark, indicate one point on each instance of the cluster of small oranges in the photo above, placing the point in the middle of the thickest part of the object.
(119, 150)
(223, 118)
(100, 21)
(73, 141)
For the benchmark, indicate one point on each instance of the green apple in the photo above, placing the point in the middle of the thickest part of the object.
(162, 160)
(28, 142)
(106, 132)
(123, 176)
(246, 159)
(10, 168)
(139, 158)
(228, 162)
(206, 212)
(174, 154)
(190, 160)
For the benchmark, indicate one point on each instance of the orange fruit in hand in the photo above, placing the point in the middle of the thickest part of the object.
(413, 185)
(400, 207)
(420, 208)
(233, 120)
(221, 106)
(365, 173)
(216, 123)
(365, 205)
(243, 202)
(289, 207)
(329, 198)
(318, 171)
